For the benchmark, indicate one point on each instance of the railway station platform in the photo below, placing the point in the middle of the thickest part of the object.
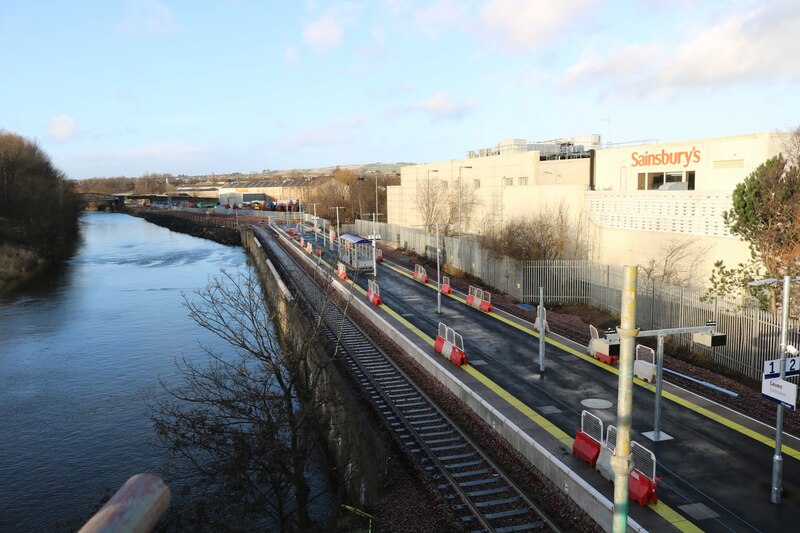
(715, 472)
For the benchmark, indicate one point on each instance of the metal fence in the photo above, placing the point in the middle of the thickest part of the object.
(753, 334)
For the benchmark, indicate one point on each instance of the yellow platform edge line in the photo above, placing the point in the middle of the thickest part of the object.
(758, 437)
(677, 521)
(663, 510)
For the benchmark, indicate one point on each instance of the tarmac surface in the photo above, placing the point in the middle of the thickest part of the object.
(716, 470)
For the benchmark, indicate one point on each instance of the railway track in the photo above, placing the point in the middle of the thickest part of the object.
(479, 493)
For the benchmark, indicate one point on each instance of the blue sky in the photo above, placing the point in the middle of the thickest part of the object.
(192, 87)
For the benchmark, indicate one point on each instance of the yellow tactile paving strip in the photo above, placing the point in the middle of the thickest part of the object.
(663, 510)
(791, 452)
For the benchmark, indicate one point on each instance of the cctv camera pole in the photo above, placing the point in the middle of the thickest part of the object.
(777, 458)
(621, 460)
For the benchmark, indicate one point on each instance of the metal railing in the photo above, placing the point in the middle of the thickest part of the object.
(136, 506)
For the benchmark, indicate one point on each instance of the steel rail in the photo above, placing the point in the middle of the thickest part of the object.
(480, 493)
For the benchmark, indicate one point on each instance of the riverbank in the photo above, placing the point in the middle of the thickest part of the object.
(218, 234)
(21, 264)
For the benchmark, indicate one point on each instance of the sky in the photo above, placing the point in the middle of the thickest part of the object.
(110, 88)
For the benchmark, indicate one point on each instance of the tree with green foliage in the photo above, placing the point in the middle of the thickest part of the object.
(765, 214)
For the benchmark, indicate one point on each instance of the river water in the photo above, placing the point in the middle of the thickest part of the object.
(79, 358)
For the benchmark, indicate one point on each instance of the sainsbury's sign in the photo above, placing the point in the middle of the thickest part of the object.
(665, 158)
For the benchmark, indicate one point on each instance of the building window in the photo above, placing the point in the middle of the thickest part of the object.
(508, 182)
(655, 180)
(476, 184)
(523, 180)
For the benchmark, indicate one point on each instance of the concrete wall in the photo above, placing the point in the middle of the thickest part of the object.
(357, 450)
(627, 226)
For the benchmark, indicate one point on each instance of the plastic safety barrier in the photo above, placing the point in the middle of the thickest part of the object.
(603, 464)
(607, 359)
(642, 482)
(341, 271)
(302, 242)
(374, 293)
(588, 438)
(446, 288)
(379, 256)
(605, 350)
(309, 248)
(450, 344)
(420, 274)
(586, 448)
(644, 367)
(479, 299)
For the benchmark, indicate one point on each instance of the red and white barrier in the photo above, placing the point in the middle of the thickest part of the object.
(479, 299)
(309, 248)
(379, 256)
(341, 271)
(374, 293)
(420, 274)
(450, 344)
(588, 439)
(446, 287)
(605, 350)
(642, 482)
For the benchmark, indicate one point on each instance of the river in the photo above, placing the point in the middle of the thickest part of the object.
(80, 356)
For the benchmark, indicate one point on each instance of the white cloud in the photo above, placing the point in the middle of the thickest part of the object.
(323, 34)
(442, 106)
(61, 128)
(335, 133)
(748, 46)
(291, 55)
(520, 25)
(534, 77)
(439, 16)
(148, 16)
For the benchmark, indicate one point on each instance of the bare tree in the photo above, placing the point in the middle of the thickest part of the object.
(677, 264)
(246, 425)
(551, 235)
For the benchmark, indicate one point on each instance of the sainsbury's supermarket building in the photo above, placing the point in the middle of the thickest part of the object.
(636, 200)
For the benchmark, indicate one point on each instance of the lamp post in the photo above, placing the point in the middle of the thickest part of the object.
(429, 200)
(460, 229)
(315, 223)
(337, 207)
(621, 460)
(777, 457)
(438, 271)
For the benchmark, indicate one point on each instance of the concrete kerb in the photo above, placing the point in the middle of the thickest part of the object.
(582, 493)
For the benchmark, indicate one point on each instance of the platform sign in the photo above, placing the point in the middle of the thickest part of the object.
(772, 369)
(780, 391)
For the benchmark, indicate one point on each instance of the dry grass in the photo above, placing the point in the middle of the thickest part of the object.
(16, 265)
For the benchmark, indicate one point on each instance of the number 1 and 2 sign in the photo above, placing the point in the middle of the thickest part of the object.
(778, 390)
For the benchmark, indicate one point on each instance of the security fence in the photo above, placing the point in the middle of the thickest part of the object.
(753, 335)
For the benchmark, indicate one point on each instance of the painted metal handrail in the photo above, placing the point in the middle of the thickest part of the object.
(136, 507)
